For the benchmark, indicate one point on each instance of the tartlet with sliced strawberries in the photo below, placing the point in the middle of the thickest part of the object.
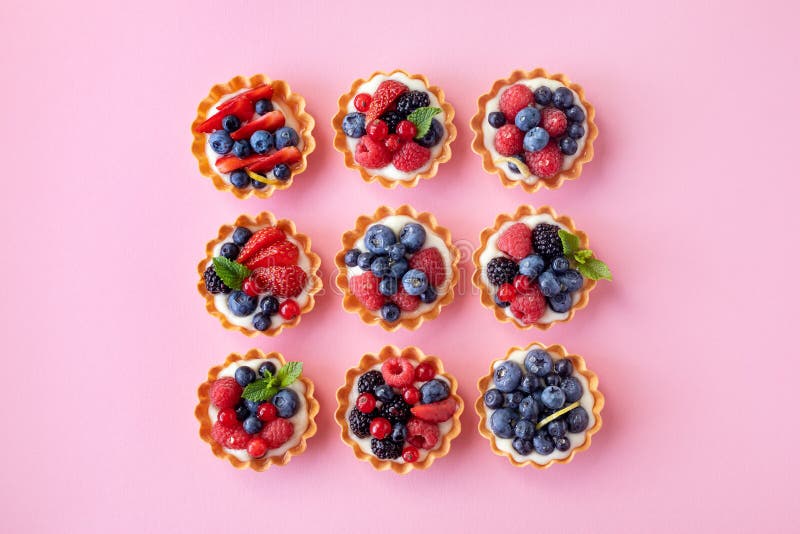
(394, 128)
(397, 268)
(398, 409)
(252, 136)
(259, 275)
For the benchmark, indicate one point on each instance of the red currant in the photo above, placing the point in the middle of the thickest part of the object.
(365, 403)
(378, 130)
(362, 102)
(522, 283)
(380, 428)
(392, 142)
(249, 286)
(267, 412)
(411, 395)
(227, 417)
(289, 309)
(410, 454)
(506, 293)
(406, 130)
(257, 447)
(424, 372)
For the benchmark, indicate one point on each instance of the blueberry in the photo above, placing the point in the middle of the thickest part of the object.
(415, 282)
(281, 171)
(529, 383)
(229, 250)
(378, 238)
(380, 266)
(252, 425)
(553, 397)
(434, 391)
(263, 106)
(286, 136)
(538, 362)
(496, 119)
(502, 422)
(572, 388)
(568, 146)
(524, 429)
(257, 184)
(507, 376)
(433, 136)
(261, 141)
(571, 279)
(286, 402)
(244, 375)
(351, 257)
(543, 95)
(528, 408)
(536, 139)
(560, 264)
(563, 367)
(398, 268)
(242, 412)
(527, 118)
(577, 420)
(220, 142)
(552, 379)
(241, 148)
(230, 123)
(241, 304)
(513, 168)
(543, 443)
(531, 265)
(252, 406)
(562, 443)
(390, 312)
(557, 428)
(241, 235)
(560, 303)
(413, 236)
(266, 367)
(562, 98)
(500, 303)
(549, 284)
(575, 114)
(396, 251)
(354, 125)
(513, 400)
(399, 432)
(261, 321)
(522, 446)
(493, 399)
(239, 179)
(388, 286)
(384, 392)
(365, 260)
(269, 305)
(429, 295)
(575, 131)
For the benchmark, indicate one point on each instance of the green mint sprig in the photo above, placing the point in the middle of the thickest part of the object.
(588, 265)
(265, 388)
(422, 119)
(231, 273)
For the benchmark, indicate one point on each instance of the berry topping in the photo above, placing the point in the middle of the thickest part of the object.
(568, 146)
(227, 417)
(516, 241)
(369, 381)
(508, 140)
(396, 410)
(286, 403)
(527, 118)
(436, 412)
(225, 392)
(229, 250)
(563, 98)
(372, 154)
(213, 282)
(543, 95)
(261, 239)
(281, 281)
(289, 309)
(362, 102)
(267, 412)
(354, 125)
(398, 372)
(546, 241)
(554, 121)
(410, 395)
(359, 423)
(430, 262)
(257, 447)
(501, 270)
(269, 305)
(392, 119)
(252, 425)
(386, 449)
(506, 292)
(380, 427)
(263, 106)
(231, 438)
(244, 375)
(528, 307)
(496, 119)
(422, 434)
(392, 142)
(385, 95)
(536, 139)
(403, 300)
(366, 290)
(434, 390)
(280, 253)
(411, 100)
(406, 130)
(250, 288)
(411, 157)
(277, 432)
(415, 282)
(522, 283)
(424, 372)
(410, 454)
(266, 123)
(412, 236)
(513, 99)
(365, 403)
(433, 135)
(377, 130)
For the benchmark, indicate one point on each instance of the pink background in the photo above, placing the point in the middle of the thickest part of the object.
(690, 199)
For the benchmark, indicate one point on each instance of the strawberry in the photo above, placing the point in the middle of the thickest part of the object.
(546, 162)
(371, 154)
(270, 122)
(287, 155)
(516, 241)
(405, 301)
(411, 157)
(281, 280)
(385, 95)
(436, 412)
(225, 393)
(508, 140)
(230, 162)
(365, 289)
(256, 93)
(277, 432)
(529, 307)
(280, 253)
(422, 434)
(243, 109)
(554, 121)
(514, 99)
(261, 239)
(429, 261)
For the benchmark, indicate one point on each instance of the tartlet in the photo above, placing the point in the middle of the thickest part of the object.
(425, 425)
(285, 423)
(557, 142)
(281, 275)
(394, 154)
(267, 144)
(363, 283)
(560, 419)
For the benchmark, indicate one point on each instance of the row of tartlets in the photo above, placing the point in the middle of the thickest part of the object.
(400, 410)
(252, 136)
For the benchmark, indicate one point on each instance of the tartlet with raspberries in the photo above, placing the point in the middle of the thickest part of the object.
(534, 129)
(395, 128)
(399, 409)
(252, 135)
(259, 275)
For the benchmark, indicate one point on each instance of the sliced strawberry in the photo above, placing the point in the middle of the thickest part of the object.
(385, 95)
(243, 109)
(436, 412)
(256, 93)
(281, 281)
(261, 239)
(270, 122)
(231, 163)
(280, 253)
(287, 155)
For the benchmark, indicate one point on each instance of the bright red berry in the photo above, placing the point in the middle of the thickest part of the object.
(380, 428)
(378, 130)
(365, 403)
(362, 102)
(289, 309)
(225, 392)
(506, 293)
(267, 412)
(514, 99)
(250, 287)
(554, 121)
(522, 284)
(545, 163)
(411, 395)
(529, 307)
(410, 454)
(407, 130)
(257, 447)
(508, 140)
(398, 372)
(392, 142)
(424, 372)
(227, 417)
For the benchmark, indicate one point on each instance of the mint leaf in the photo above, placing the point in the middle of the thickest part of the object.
(422, 118)
(260, 390)
(231, 273)
(570, 242)
(594, 269)
(582, 255)
(289, 373)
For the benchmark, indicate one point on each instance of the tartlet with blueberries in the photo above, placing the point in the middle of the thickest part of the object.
(252, 135)
(395, 128)
(259, 275)
(397, 268)
(534, 129)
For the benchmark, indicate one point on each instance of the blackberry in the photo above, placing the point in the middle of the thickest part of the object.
(546, 242)
(214, 283)
(369, 381)
(392, 118)
(501, 271)
(411, 100)
(386, 449)
(359, 423)
(396, 410)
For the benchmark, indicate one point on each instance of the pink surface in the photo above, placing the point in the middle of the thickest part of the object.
(106, 339)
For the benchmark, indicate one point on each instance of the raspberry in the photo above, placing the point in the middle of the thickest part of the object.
(225, 392)
(508, 140)
(405, 301)
(429, 261)
(554, 121)
(230, 438)
(411, 157)
(546, 241)
(396, 410)
(277, 432)
(514, 99)
(220, 433)
(281, 281)
(529, 307)
(386, 449)
(516, 241)
(421, 434)
(545, 163)
(501, 271)
(392, 142)
(365, 289)
(398, 372)
(372, 154)
(369, 381)
(359, 423)
(214, 283)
